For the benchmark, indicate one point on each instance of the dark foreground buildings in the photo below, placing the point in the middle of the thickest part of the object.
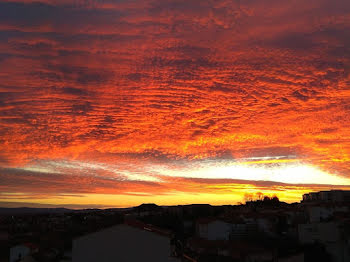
(264, 230)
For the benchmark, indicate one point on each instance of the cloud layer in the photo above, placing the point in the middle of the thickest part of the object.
(117, 87)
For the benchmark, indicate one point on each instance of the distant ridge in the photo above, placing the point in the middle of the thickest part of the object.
(52, 210)
(31, 210)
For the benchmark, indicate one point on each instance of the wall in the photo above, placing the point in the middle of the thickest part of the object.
(122, 243)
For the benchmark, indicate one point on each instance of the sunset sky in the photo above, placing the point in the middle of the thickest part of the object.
(114, 103)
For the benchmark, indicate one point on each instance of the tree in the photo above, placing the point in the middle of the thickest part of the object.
(267, 198)
(248, 197)
(259, 196)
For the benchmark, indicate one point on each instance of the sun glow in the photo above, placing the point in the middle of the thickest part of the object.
(283, 172)
(212, 181)
(274, 169)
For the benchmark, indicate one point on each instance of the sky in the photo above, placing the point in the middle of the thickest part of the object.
(114, 103)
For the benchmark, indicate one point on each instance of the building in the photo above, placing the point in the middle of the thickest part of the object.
(216, 229)
(331, 235)
(224, 250)
(21, 252)
(132, 241)
(327, 196)
(323, 211)
(213, 229)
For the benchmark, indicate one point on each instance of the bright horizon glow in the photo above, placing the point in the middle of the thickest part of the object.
(274, 169)
(291, 173)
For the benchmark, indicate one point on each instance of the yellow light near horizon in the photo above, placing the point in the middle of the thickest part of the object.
(223, 182)
(289, 173)
(274, 169)
(122, 201)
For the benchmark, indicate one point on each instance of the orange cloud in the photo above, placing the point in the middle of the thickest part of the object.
(125, 86)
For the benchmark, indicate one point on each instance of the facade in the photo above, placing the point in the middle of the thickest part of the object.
(123, 243)
(318, 232)
(221, 230)
(243, 230)
(213, 229)
(19, 252)
(331, 235)
(322, 213)
(328, 196)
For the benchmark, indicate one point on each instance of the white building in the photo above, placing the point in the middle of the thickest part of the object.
(123, 242)
(264, 222)
(213, 229)
(321, 213)
(327, 196)
(21, 252)
(330, 234)
(318, 232)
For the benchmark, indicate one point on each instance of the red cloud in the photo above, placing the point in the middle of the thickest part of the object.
(163, 81)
